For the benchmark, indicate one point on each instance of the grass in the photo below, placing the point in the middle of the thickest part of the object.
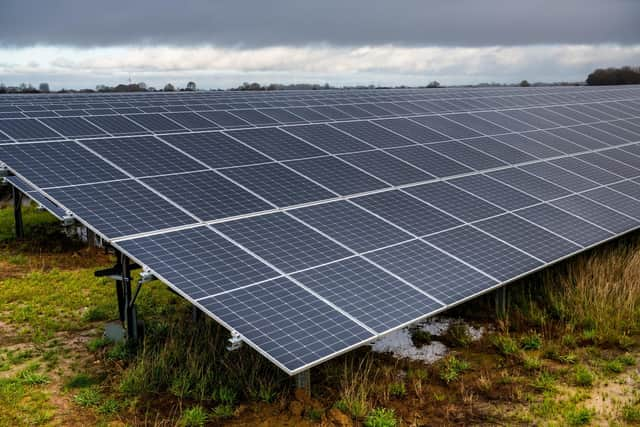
(381, 417)
(194, 417)
(452, 368)
(583, 376)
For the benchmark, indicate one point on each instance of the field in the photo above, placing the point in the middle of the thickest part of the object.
(565, 353)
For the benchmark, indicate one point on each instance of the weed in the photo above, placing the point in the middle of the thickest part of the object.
(96, 344)
(397, 389)
(614, 366)
(505, 345)
(627, 359)
(381, 417)
(451, 369)
(181, 386)
(314, 414)
(120, 351)
(569, 341)
(532, 341)
(583, 376)
(195, 416)
(223, 411)
(225, 395)
(578, 416)
(80, 381)
(88, 397)
(531, 363)
(631, 413)
(545, 381)
(267, 393)
(29, 376)
(98, 313)
(417, 374)
(109, 407)
(420, 337)
(457, 335)
(356, 384)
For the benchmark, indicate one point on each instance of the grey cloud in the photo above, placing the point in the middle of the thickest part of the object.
(301, 22)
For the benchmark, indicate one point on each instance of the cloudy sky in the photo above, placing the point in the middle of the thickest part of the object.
(222, 43)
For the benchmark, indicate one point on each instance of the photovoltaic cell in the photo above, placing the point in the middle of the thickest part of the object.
(434, 272)
(615, 200)
(386, 167)
(499, 150)
(454, 201)
(596, 213)
(282, 241)
(116, 125)
(372, 134)
(504, 121)
(225, 119)
(610, 165)
(207, 195)
(430, 161)
(286, 322)
(370, 295)
(484, 252)
(412, 130)
(467, 155)
(197, 261)
(51, 164)
(565, 224)
(407, 212)
(527, 237)
(478, 124)
(586, 170)
(494, 192)
(337, 175)
(215, 149)
(73, 127)
(532, 185)
(156, 122)
(143, 156)
(254, 117)
(446, 126)
(27, 129)
(276, 143)
(528, 145)
(138, 209)
(328, 138)
(559, 176)
(351, 226)
(278, 184)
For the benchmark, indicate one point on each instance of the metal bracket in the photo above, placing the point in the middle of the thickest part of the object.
(146, 275)
(235, 342)
(4, 172)
(68, 220)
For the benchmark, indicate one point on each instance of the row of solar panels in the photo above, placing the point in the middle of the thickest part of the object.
(278, 96)
(177, 104)
(312, 239)
(486, 122)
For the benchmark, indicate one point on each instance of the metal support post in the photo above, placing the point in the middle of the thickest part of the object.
(130, 314)
(501, 302)
(303, 381)
(17, 213)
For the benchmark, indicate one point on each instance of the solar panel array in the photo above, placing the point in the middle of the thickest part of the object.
(313, 222)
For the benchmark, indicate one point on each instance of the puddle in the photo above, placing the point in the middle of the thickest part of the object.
(400, 345)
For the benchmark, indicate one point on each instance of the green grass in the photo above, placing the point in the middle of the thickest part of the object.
(397, 389)
(195, 416)
(381, 417)
(505, 345)
(452, 368)
(531, 341)
(583, 376)
(88, 397)
(80, 381)
(578, 416)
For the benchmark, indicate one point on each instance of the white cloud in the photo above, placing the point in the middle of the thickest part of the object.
(379, 64)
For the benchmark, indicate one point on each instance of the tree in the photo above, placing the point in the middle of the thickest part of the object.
(44, 87)
(434, 84)
(191, 86)
(614, 76)
(524, 83)
(169, 88)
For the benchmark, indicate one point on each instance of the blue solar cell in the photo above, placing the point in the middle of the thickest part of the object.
(156, 122)
(116, 125)
(610, 165)
(494, 192)
(499, 150)
(407, 212)
(278, 184)
(51, 164)
(529, 184)
(430, 161)
(386, 167)
(615, 200)
(336, 175)
(254, 117)
(565, 224)
(27, 130)
(530, 119)
(370, 295)
(528, 145)
(478, 124)
(596, 213)
(504, 121)
(373, 134)
(586, 170)
(527, 237)
(119, 208)
(287, 323)
(73, 127)
(276, 143)
(328, 138)
(351, 226)
(471, 157)
(412, 130)
(36, 196)
(454, 201)
(578, 138)
(207, 195)
(559, 176)
(332, 113)
(197, 261)
(192, 121)
(447, 127)
(434, 272)
(143, 155)
(354, 111)
(485, 253)
(282, 115)
(308, 114)
(225, 119)
(284, 242)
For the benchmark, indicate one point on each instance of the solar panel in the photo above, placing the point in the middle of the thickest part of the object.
(432, 271)
(372, 296)
(36, 196)
(337, 175)
(311, 239)
(351, 226)
(283, 242)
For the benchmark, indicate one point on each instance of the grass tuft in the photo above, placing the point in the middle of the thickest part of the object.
(381, 417)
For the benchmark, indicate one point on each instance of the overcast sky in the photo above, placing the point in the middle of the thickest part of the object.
(221, 43)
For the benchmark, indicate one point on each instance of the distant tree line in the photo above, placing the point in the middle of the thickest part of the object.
(277, 86)
(615, 76)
